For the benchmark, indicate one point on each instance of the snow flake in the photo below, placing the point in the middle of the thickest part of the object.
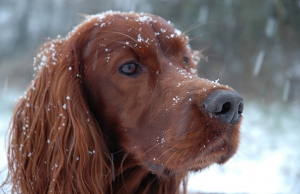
(258, 62)
(176, 99)
(65, 106)
(193, 70)
(140, 39)
(177, 32)
(144, 18)
(92, 152)
(44, 59)
(163, 30)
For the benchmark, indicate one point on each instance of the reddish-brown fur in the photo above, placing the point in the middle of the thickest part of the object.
(84, 127)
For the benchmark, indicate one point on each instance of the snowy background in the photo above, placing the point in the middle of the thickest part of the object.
(252, 46)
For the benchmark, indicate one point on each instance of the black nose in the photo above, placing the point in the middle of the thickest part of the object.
(225, 105)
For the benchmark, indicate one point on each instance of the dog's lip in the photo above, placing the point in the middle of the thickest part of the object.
(154, 167)
(216, 155)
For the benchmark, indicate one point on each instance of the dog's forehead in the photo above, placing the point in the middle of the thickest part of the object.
(142, 31)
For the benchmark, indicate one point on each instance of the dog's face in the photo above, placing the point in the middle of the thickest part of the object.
(141, 74)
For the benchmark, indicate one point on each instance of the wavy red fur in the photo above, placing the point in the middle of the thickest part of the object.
(84, 126)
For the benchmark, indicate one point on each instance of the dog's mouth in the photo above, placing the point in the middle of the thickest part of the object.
(219, 154)
(154, 167)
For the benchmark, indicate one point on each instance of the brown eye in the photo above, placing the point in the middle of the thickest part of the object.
(185, 61)
(130, 69)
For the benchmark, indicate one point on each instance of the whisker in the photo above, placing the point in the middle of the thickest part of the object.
(167, 49)
(196, 26)
(112, 166)
(133, 48)
(122, 34)
(119, 151)
(164, 153)
(122, 174)
(163, 133)
(155, 146)
(190, 27)
(164, 166)
(194, 38)
(184, 152)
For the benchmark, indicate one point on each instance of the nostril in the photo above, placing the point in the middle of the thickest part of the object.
(225, 109)
(241, 108)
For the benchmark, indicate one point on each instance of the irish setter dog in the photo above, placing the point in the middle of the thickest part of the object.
(116, 107)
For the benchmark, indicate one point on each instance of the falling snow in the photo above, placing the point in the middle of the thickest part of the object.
(264, 171)
(258, 63)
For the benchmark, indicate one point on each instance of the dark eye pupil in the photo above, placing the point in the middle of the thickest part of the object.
(129, 69)
(185, 61)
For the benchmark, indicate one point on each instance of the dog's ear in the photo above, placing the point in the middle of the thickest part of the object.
(56, 144)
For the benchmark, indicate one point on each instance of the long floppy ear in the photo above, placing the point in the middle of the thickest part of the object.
(56, 144)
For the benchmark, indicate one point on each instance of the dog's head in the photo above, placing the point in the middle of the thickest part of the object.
(142, 87)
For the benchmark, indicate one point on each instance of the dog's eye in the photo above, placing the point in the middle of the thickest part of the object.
(185, 61)
(130, 69)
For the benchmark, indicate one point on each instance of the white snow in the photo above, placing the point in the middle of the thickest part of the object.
(140, 39)
(144, 18)
(286, 90)
(203, 14)
(258, 62)
(271, 26)
(266, 162)
(177, 32)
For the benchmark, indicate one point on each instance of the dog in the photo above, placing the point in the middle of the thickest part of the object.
(117, 107)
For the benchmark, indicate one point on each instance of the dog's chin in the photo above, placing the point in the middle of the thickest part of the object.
(164, 170)
(219, 155)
